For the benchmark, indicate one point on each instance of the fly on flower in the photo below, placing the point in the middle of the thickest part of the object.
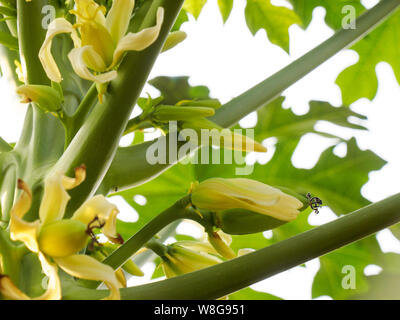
(100, 40)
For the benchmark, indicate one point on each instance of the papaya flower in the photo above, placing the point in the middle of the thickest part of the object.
(218, 194)
(58, 241)
(101, 41)
(179, 259)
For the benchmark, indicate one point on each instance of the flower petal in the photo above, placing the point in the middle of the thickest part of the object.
(219, 194)
(77, 57)
(121, 277)
(118, 17)
(53, 292)
(57, 26)
(21, 230)
(105, 211)
(139, 41)
(55, 197)
(10, 291)
(89, 10)
(174, 38)
(85, 267)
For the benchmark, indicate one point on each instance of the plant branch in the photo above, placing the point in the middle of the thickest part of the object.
(76, 121)
(123, 172)
(46, 137)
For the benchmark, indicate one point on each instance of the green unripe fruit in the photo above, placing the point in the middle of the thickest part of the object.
(242, 221)
(63, 238)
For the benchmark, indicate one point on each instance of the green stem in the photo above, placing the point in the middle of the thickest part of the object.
(96, 142)
(137, 124)
(157, 247)
(124, 172)
(47, 136)
(137, 241)
(76, 121)
(232, 275)
(31, 36)
(11, 256)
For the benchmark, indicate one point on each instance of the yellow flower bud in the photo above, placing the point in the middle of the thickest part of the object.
(47, 98)
(180, 260)
(63, 238)
(221, 137)
(221, 246)
(170, 113)
(218, 194)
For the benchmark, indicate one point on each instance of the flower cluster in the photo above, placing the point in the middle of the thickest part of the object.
(58, 241)
(100, 40)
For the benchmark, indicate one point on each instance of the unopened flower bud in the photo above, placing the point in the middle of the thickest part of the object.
(221, 246)
(180, 260)
(47, 98)
(218, 194)
(222, 137)
(171, 113)
(210, 103)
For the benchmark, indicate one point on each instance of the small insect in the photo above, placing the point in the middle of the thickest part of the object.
(314, 202)
(92, 225)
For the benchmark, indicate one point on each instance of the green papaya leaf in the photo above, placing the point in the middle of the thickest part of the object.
(342, 272)
(335, 10)
(360, 80)
(225, 7)
(194, 7)
(175, 89)
(182, 18)
(261, 14)
(274, 121)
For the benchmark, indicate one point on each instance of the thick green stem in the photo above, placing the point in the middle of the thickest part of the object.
(74, 123)
(230, 276)
(31, 36)
(124, 172)
(96, 142)
(137, 241)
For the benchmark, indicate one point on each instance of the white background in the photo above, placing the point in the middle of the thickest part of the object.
(229, 60)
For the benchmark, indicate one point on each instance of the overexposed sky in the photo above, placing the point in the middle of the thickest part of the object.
(229, 60)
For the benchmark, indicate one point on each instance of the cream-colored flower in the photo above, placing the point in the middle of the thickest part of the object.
(101, 42)
(180, 260)
(53, 238)
(217, 194)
